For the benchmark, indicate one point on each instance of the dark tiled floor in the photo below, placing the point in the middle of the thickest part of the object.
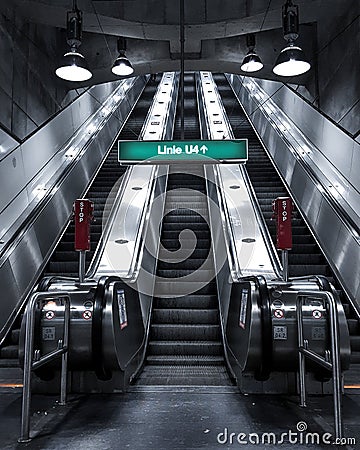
(170, 418)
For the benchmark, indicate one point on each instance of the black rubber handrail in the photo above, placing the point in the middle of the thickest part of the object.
(97, 341)
(264, 304)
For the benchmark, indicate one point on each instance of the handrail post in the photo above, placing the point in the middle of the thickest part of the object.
(334, 364)
(335, 351)
(28, 361)
(64, 356)
(300, 331)
(29, 357)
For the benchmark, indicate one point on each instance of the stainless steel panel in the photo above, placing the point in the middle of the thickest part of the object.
(339, 242)
(12, 175)
(44, 153)
(11, 215)
(355, 163)
(239, 209)
(338, 149)
(7, 143)
(28, 254)
(40, 184)
(118, 259)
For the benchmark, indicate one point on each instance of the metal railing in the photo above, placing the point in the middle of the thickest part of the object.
(33, 360)
(330, 361)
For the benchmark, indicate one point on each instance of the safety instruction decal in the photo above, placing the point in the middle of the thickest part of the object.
(280, 333)
(122, 308)
(48, 333)
(243, 306)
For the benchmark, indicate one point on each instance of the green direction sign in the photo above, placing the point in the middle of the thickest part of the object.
(222, 151)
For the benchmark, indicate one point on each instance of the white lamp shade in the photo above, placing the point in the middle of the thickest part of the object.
(251, 63)
(73, 68)
(122, 67)
(291, 62)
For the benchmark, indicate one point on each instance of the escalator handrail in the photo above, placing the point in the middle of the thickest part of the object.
(342, 214)
(264, 304)
(273, 254)
(143, 222)
(254, 200)
(53, 187)
(97, 334)
(108, 226)
(232, 253)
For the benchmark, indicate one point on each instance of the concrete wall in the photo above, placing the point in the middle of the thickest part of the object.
(30, 93)
(338, 55)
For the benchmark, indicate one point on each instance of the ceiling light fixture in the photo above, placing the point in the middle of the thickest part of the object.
(251, 62)
(291, 61)
(122, 65)
(73, 66)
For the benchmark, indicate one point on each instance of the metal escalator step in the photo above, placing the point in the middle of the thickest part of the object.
(185, 212)
(184, 219)
(355, 358)
(178, 264)
(9, 352)
(198, 255)
(185, 316)
(315, 269)
(306, 259)
(186, 302)
(202, 375)
(184, 205)
(354, 326)
(302, 239)
(184, 195)
(15, 335)
(11, 363)
(192, 186)
(169, 288)
(347, 309)
(355, 343)
(63, 267)
(199, 275)
(201, 244)
(185, 332)
(185, 348)
(179, 226)
(185, 360)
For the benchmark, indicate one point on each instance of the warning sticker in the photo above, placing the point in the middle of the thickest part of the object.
(243, 306)
(279, 313)
(122, 309)
(48, 333)
(317, 314)
(280, 333)
(49, 315)
(87, 314)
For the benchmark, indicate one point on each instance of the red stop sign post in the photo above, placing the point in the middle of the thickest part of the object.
(83, 215)
(283, 209)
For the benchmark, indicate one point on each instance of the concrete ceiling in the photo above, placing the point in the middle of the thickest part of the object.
(214, 32)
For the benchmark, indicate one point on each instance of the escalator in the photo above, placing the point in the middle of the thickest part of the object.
(64, 260)
(305, 258)
(185, 346)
